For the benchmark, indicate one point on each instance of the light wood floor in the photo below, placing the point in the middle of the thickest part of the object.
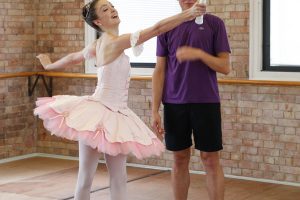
(48, 179)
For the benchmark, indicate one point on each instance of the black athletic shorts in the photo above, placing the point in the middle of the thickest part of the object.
(202, 120)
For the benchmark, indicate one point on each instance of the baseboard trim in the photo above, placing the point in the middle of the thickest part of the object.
(17, 158)
(43, 155)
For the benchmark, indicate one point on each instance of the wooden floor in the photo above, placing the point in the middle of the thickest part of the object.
(48, 179)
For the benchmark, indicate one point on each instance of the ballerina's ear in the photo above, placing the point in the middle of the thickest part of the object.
(97, 22)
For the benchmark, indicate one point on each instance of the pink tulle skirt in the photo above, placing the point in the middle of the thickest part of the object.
(78, 118)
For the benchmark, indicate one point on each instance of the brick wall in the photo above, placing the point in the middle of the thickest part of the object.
(261, 131)
(17, 52)
(261, 124)
(60, 30)
(235, 14)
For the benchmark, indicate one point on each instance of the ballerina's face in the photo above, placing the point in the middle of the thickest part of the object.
(108, 15)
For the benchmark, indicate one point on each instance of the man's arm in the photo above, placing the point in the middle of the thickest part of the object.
(158, 80)
(219, 63)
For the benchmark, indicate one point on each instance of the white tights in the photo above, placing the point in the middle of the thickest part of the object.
(88, 161)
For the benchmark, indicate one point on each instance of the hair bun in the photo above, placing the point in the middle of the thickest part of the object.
(84, 11)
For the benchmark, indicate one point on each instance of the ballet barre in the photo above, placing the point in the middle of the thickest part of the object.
(50, 75)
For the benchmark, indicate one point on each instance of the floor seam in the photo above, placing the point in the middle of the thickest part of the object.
(129, 181)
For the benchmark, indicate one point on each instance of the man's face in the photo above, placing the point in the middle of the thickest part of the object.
(186, 4)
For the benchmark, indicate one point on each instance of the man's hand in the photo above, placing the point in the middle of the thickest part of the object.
(196, 11)
(156, 124)
(187, 53)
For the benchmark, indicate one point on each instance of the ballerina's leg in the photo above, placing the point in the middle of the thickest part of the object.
(88, 162)
(118, 176)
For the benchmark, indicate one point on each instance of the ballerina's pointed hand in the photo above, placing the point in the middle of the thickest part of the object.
(44, 59)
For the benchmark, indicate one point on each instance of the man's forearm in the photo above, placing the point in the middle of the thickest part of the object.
(219, 64)
(157, 89)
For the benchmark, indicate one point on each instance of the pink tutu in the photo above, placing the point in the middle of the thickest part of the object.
(90, 121)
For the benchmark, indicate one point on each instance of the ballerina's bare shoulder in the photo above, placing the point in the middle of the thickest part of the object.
(105, 54)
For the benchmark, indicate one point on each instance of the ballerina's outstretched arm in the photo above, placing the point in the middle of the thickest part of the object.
(70, 59)
(122, 42)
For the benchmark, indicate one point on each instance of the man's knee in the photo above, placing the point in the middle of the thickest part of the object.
(210, 160)
(182, 158)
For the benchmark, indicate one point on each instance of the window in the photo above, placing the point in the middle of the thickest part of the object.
(281, 35)
(274, 40)
(136, 15)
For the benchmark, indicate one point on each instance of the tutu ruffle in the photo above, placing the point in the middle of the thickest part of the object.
(80, 118)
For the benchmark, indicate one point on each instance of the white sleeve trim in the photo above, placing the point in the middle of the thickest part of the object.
(87, 52)
(137, 50)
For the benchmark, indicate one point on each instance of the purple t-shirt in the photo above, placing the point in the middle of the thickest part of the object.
(192, 81)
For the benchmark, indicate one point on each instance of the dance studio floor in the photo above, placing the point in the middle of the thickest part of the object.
(48, 179)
